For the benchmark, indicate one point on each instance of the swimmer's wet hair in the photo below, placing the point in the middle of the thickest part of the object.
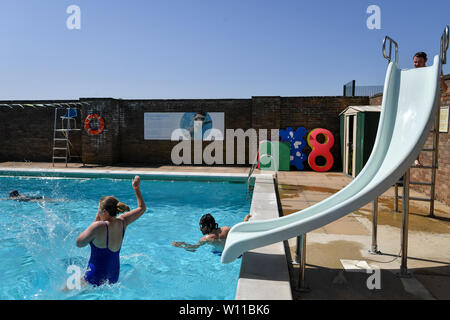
(209, 221)
(14, 193)
(113, 206)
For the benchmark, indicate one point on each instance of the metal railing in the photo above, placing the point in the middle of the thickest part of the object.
(444, 45)
(273, 156)
(258, 161)
(252, 169)
(389, 56)
(352, 90)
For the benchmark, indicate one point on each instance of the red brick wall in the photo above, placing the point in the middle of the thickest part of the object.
(122, 140)
(26, 134)
(105, 147)
(133, 147)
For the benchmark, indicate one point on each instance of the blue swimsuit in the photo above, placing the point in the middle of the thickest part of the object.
(104, 264)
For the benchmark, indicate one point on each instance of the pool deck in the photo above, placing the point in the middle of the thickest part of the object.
(337, 258)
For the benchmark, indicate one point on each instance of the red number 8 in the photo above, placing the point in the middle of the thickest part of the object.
(320, 149)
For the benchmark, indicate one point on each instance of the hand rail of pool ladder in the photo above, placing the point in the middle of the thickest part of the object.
(389, 56)
(274, 159)
(256, 162)
(444, 46)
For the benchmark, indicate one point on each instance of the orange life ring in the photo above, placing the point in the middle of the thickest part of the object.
(87, 124)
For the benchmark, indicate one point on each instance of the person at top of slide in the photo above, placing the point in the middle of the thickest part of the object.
(420, 61)
(105, 236)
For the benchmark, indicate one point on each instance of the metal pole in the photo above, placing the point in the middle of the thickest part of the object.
(296, 260)
(435, 162)
(301, 285)
(54, 136)
(405, 214)
(396, 197)
(374, 247)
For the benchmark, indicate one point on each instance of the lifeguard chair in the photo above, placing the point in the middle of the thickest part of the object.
(61, 135)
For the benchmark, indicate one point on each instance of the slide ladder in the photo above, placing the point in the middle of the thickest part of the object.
(273, 157)
(434, 149)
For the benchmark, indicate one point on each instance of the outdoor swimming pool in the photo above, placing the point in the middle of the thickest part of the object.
(38, 238)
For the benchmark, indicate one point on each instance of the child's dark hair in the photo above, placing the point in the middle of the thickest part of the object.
(421, 54)
(14, 193)
(208, 221)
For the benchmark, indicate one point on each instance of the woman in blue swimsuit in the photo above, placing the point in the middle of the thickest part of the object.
(105, 236)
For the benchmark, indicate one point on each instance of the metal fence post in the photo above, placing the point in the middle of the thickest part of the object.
(297, 252)
(374, 247)
(301, 285)
(405, 220)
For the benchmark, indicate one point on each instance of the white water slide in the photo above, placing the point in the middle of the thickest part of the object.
(410, 103)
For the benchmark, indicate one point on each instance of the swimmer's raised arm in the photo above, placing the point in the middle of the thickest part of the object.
(135, 214)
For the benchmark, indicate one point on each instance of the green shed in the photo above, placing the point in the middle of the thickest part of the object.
(358, 129)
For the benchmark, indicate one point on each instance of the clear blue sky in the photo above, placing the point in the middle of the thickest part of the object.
(174, 49)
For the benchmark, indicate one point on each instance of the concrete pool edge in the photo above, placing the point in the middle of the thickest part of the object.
(123, 174)
(264, 271)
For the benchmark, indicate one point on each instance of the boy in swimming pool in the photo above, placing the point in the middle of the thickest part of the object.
(213, 233)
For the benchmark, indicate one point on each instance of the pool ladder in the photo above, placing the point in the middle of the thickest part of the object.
(249, 178)
(255, 163)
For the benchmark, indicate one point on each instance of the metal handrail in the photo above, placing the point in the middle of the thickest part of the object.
(253, 167)
(444, 45)
(389, 57)
(251, 172)
(257, 161)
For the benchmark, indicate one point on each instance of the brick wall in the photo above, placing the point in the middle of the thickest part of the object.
(105, 147)
(122, 140)
(133, 147)
(26, 132)
(442, 191)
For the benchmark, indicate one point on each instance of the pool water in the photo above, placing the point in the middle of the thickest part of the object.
(38, 239)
